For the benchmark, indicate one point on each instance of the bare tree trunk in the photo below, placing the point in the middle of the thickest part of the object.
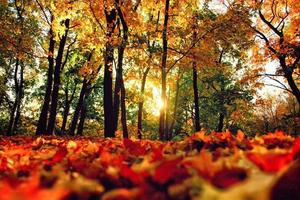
(67, 108)
(196, 98)
(78, 107)
(288, 74)
(82, 118)
(221, 122)
(57, 70)
(20, 97)
(42, 122)
(121, 50)
(167, 133)
(116, 106)
(141, 103)
(108, 67)
(175, 107)
(162, 116)
(84, 109)
(11, 124)
(123, 110)
(65, 117)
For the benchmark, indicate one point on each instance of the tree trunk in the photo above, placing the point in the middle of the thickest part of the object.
(11, 124)
(67, 108)
(221, 122)
(123, 110)
(20, 97)
(57, 70)
(108, 67)
(78, 107)
(116, 106)
(42, 122)
(141, 103)
(167, 126)
(196, 98)
(65, 117)
(289, 77)
(162, 116)
(175, 107)
(121, 87)
(82, 118)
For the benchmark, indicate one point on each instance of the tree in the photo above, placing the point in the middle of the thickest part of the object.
(17, 36)
(42, 122)
(276, 28)
(80, 110)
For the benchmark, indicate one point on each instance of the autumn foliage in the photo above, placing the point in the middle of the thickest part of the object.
(214, 166)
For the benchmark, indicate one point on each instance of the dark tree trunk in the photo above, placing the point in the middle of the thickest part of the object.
(121, 50)
(288, 74)
(108, 67)
(56, 85)
(19, 84)
(67, 108)
(119, 85)
(167, 126)
(84, 110)
(11, 124)
(175, 108)
(82, 118)
(162, 116)
(123, 110)
(42, 122)
(65, 117)
(19, 90)
(20, 97)
(116, 106)
(221, 122)
(196, 98)
(141, 103)
(78, 107)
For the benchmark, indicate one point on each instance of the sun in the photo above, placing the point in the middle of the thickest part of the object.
(157, 101)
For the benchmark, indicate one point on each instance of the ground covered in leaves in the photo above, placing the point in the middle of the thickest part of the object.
(214, 166)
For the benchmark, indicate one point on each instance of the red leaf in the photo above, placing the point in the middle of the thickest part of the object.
(166, 170)
(128, 173)
(270, 162)
(134, 148)
(58, 156)
(157, 154)
(296, 148)
(229, 177)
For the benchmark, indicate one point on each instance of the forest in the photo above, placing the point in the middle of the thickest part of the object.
(149, 99)
(155, 69)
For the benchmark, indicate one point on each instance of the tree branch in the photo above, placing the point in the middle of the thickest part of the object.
(277, 81)
(43, 11)
(263, 37)
(262, 17)
(276, 86)
(97, 20)
(266, 74)
(68, 52)
(191, 47)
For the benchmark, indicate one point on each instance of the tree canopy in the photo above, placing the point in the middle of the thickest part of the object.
(157, 69)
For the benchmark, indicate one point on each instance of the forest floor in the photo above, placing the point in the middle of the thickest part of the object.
(215, 166)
